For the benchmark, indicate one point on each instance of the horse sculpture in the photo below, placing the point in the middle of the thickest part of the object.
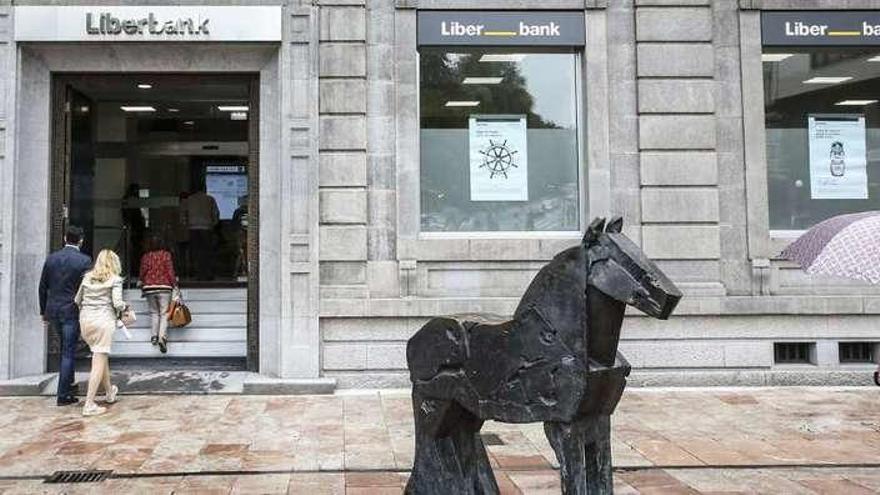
(556, 361)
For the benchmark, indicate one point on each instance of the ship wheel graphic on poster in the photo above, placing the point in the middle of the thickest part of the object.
(498, 158)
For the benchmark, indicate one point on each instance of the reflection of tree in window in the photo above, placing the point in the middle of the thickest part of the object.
(529, 84)
(445, 74)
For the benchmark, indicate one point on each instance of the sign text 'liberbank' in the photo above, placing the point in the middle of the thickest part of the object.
(148, 23)
(501, 28)
(785, 28)
(107, 23)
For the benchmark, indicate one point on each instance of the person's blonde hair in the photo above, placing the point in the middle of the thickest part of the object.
(107, 266)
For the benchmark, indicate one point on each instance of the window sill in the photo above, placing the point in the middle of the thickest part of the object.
(501, 235)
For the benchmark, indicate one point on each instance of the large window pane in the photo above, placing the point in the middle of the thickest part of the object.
(823, 133)
(519, 111)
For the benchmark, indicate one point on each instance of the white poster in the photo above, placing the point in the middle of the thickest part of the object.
(838, 165)
(499, 158)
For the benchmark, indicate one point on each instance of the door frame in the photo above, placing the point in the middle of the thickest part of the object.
(59, 187)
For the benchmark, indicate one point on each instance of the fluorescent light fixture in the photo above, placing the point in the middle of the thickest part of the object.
(855, 103)
(483, 80)
(145, 86)
(238, 116)
(462, 103)
(503, 57)
(775, 57)
(233, 108)
(189, 122)
(126, 108)
(874, 59)
(827, 80)
(173, 110)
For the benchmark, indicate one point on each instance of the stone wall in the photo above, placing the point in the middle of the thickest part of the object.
(665, 149)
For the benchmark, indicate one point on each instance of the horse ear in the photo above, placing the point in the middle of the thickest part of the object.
(597, 226)
(615, 225)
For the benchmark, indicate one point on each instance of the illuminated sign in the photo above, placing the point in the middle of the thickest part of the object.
(144, 23)
(501, 28)
(820, 28)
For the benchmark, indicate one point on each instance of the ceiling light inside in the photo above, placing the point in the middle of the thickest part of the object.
(189, 122)
(503, 57)
(462, 103)
(233, 108)
(173, 110)
(126, 108)
(855, 103)
(775, 57)
(874, 59)
(238, 116)
(483, 80)
(827, 80)
(145, 86)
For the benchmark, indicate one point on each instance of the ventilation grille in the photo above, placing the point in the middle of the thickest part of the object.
(792, 352)
(78, 476)
(856, 352)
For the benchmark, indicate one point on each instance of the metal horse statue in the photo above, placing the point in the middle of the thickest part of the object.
(556, 361)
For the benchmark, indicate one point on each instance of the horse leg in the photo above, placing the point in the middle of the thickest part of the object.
(583, 449)
(449, 456)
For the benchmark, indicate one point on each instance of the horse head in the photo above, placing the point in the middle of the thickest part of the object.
(620, 270)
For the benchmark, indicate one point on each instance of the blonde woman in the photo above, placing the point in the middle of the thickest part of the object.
(100, 301)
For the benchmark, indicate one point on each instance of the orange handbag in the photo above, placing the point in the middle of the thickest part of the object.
(179, 314)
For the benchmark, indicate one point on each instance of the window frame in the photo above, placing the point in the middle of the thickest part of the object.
(764, 245)
(581, 162)
(593, 150)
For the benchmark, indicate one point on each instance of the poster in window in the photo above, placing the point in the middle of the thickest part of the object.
(499, 162)
(838, 165)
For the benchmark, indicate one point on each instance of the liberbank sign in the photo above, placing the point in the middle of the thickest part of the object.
(825, 28)
(514, 28)
(144, 23)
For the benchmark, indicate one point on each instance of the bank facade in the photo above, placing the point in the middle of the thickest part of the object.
(367, 139)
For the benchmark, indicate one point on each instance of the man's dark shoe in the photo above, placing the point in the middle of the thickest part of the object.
(67, 401)
(877, 378)
(154, 340)
(163, 345)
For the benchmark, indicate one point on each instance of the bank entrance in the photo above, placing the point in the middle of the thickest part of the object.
(168, 158)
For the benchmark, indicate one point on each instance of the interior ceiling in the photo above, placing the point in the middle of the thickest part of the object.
(165, 88)
(193, 96)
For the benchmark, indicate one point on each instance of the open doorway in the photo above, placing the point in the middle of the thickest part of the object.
(173, 157)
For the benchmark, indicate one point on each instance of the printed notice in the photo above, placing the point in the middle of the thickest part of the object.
(838, 165)
(499, 158)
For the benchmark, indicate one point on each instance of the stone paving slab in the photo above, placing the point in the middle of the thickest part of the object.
(815, 481)
(772, 440)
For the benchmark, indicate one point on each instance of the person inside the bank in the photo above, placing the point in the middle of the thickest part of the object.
(201, 216)
(158, 282)
(62, 274)
(100, 303)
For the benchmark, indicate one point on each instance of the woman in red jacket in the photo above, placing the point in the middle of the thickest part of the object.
(157, 284)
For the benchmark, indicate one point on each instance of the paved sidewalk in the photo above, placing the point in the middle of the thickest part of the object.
(783, 440)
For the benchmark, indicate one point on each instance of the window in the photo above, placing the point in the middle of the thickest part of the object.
(823, 133)
(793, 352)
(499, 140)
(856, 352)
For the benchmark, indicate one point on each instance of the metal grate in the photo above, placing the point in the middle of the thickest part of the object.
(78, 476)
(792, 352)
(491, 439)
(856, 352)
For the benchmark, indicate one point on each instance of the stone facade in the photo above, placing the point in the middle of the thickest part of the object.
(673, 142)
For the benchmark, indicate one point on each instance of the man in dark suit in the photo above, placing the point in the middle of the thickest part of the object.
(62, 274)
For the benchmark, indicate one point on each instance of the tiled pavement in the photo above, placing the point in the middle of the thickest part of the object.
(782, 440)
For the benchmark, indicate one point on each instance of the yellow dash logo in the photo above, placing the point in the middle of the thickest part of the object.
(844, 33)
(499, 33)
